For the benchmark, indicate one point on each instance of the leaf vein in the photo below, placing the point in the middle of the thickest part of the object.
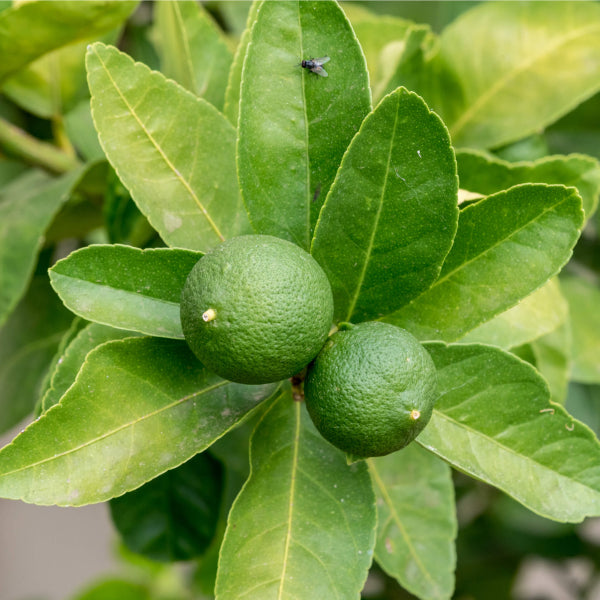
(186, 184)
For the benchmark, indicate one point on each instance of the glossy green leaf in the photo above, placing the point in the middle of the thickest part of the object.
(29, 30)
(382, 39)
(534, 316)
(294, 125)
(192, 49)
(584, 300)
(391, 214)
(27, 206)
(28, 341)
(518, 67)
(494, 421)
(67, 337)
(484, 173)
(234, 82)
(416, 521)
(404, 62)
(174, 516)
(506, 246)
(303, 526)
(232, 450)
(73, 356)
(139, 407)
(173, 151)
(125, 287)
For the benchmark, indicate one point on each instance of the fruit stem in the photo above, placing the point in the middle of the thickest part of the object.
(297, 386)
(209, 315)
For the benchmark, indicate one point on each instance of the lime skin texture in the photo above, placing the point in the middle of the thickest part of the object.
(256, 309)
(371, 389)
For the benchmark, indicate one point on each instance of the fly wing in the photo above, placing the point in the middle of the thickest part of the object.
(323, 60)
(320, 71)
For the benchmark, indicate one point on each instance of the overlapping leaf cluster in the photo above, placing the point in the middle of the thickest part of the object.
(221, 143)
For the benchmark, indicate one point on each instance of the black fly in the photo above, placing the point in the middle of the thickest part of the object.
(316, 65)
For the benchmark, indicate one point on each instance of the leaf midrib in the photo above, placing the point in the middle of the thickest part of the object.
(500, 242)
(509, 450)
(189, 65)
(161, 153)
(407, 539)
(306, 136)
(112, 288)
(113, 431)
(294, 471)
(504, 81)
(369, 250)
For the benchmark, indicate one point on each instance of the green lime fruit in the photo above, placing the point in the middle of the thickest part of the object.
(256, 309)
(371, 389)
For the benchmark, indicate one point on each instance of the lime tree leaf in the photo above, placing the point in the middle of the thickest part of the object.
(73, 356)
(27, 206)
(497, 49)
(484, 173)
(584, 300)
(67, 337)
(416, 521)
(139, 407)
(303, 525)
(28, 341)
(232, 450)
(534, 316)
(53, 84)
(404, 61)
(234, 82)
(494, 421)
(31, 29)
(382, 39)
(192, 49)
(506, 246)
(552, 354)
(173, 151)
(125, 287)
(391, 214)
(174, 516)
(294, 125)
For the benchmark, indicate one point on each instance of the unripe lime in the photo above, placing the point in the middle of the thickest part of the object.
(256, 309)
(371, 389)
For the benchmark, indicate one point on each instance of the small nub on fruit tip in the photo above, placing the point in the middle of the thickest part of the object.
(209, 315)
(415, 414)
